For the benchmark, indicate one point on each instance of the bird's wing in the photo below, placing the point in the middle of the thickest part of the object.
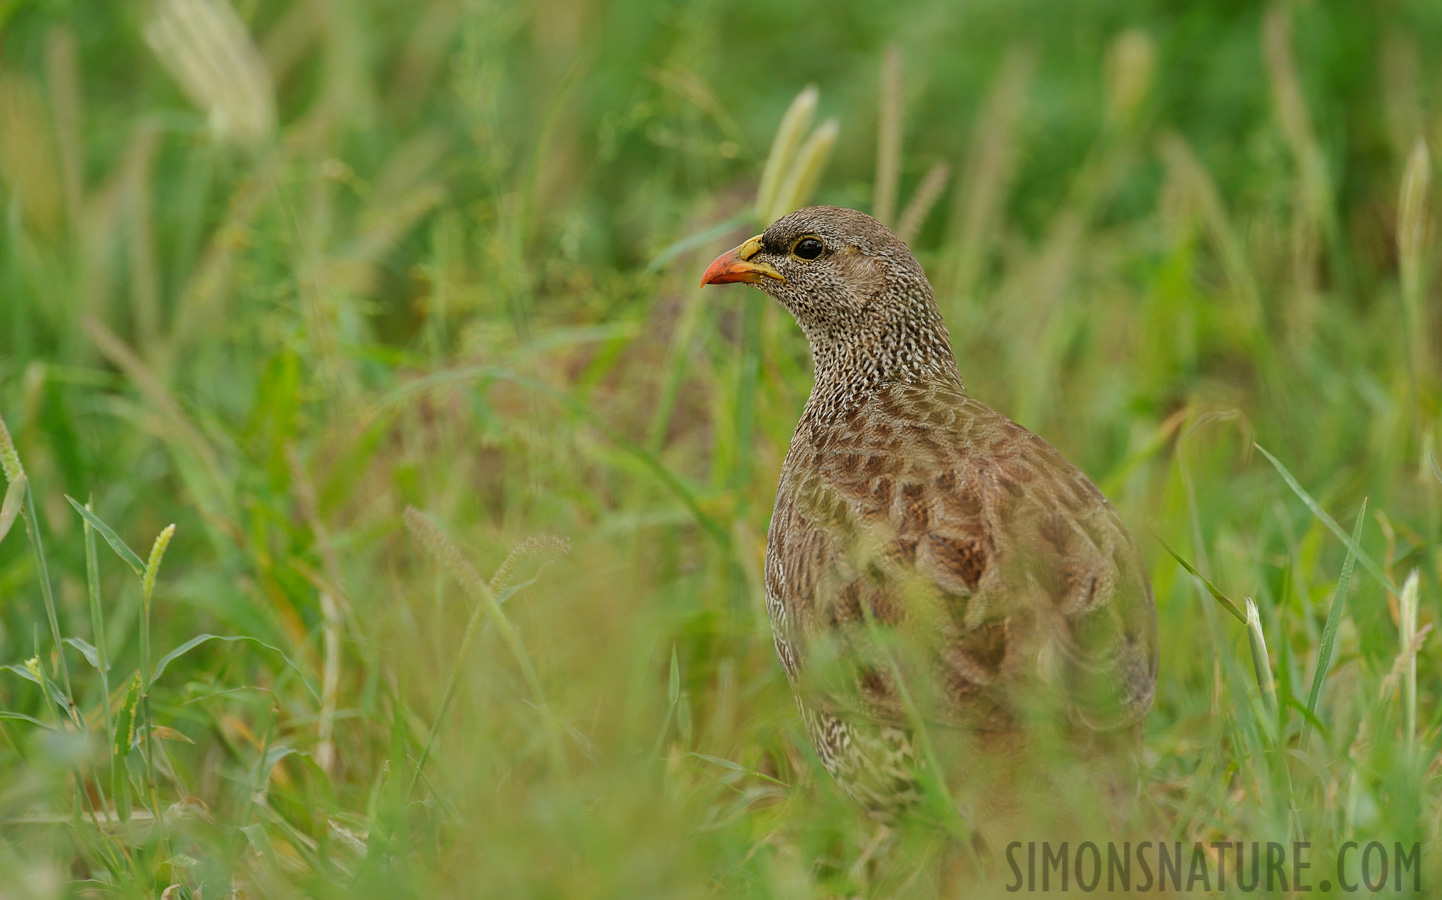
(935, 541)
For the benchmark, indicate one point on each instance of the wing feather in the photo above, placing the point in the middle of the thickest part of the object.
(944, 544)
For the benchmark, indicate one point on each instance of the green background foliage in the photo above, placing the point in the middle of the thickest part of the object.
(276, 277)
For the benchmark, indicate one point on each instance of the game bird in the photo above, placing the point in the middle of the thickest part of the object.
(942, 584)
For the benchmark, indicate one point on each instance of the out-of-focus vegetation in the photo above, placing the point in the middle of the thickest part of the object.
(274, 272)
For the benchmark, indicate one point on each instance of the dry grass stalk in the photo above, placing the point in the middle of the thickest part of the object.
(62, 77)
(922, 201)
(888, 137)
(1407, 634)
(1412, 232)
(1314, 194)
(987, 173)
(331, 601)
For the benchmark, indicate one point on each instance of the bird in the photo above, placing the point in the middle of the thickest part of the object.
(932, 567)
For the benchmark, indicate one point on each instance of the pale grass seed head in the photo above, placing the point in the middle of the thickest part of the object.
(1130, 62)
(440, 545)
(205, 46)
(1407, 608)
(1410, 641)
(531, 547)
(811, 162)
(28, 156)
(908, 225)
(1412, 214)
(1261, 662)
(789, 136)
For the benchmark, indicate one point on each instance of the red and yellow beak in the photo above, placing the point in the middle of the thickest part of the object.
(737, 265)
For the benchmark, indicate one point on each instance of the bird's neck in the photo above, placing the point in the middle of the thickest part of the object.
(851, 367)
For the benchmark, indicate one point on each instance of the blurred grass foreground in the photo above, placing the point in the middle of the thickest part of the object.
(384, 504)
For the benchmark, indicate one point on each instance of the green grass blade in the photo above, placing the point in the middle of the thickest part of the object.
(673, 681)
(689, 333)
(97, 620)
(199, 639)
(1316, 508)
(736, 767)
(673, 695)
(698, 239)
(453, 560)
(1329, 631)
(1217, 595)
(87, 650)
(50, 690)
(120, 789)
(21, 717)
(121, 548)
(649, 460)
(744, 405)
(32, 526)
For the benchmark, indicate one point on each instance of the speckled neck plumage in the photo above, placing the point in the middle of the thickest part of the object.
(912, 347)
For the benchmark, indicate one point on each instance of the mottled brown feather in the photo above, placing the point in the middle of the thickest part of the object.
(919, 534)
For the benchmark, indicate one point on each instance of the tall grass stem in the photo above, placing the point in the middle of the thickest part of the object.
(888, 137)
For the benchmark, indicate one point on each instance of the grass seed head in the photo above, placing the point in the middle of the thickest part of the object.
(9, 459)
(927, 193)
(152, 565)
(1261, 662)
(1412, 215)
(208, 51)
(789, 136)
(806, 173)
(1130, 61)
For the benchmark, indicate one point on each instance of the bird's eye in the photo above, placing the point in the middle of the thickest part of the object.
(808, 248)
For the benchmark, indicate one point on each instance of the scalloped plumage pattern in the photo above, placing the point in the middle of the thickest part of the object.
(925, 546)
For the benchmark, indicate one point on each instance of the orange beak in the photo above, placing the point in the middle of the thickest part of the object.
(736, 265)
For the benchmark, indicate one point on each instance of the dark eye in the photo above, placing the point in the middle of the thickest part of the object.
(808, 248)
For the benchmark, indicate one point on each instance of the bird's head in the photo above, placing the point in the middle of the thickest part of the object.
(855, 288)
(832, 267)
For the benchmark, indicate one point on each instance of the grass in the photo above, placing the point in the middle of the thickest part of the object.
(366, 305)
